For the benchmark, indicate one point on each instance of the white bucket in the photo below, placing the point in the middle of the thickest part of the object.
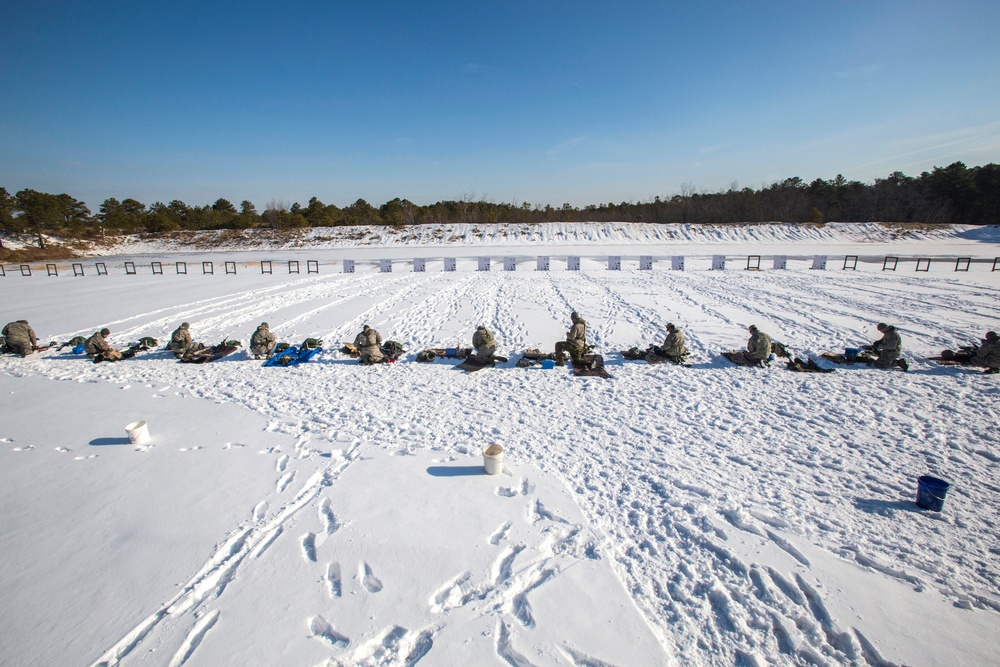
(493, 459)
(138, 433)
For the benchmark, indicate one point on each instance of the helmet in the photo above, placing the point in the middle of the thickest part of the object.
(882, 326)
(264, 325)
(365, 328)
(991, 335)
(752, 327)
(105, 331)
(185, 325)
(670, 325)
(480, 327)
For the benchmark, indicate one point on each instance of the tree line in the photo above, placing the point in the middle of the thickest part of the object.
(952, 194)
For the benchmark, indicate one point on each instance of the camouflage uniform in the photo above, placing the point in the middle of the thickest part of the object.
(262, 341)
(485, 343)
(96, 345)
(673, 347)
(180, 340)
(888, 347)
(576, 340)
(989, 354)
(369, 343)
(20, 338)
(758, 346)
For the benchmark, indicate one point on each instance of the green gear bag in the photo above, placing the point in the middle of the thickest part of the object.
(392, 347)
(311, 344)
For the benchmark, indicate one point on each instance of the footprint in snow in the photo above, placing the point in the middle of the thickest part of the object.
(503, 567)
(285, 480)
(323, 631)
(329, 519)
(368, 579)
(452, 594)
(6, 439)
(309, 547)
(260, 511)
(500, 534)
(26, 448)
(333, 579)
(538, 512)
(62, 449)
(84, 458)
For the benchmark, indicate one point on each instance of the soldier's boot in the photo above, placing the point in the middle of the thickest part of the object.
(902, 363)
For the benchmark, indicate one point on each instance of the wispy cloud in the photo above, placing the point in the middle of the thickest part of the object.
(949, 156)
(959, 134)
(937, 142)
(837, 138)
(567, 146)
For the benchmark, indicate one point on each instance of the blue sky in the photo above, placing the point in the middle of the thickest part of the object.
(544, 102)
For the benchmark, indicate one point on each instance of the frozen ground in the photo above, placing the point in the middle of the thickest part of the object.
(331, 514)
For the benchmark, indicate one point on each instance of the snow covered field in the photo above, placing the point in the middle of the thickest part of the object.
(332, 514)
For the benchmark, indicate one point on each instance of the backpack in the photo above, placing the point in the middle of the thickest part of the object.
(392, 349)
(311, 343)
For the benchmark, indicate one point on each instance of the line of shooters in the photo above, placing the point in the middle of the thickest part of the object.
(19, 338)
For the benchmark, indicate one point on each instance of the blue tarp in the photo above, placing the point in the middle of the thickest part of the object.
(293, 356)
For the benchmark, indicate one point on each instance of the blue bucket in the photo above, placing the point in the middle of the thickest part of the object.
(931, 492)
(548, 363)
(852, 352)
(451, 351)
